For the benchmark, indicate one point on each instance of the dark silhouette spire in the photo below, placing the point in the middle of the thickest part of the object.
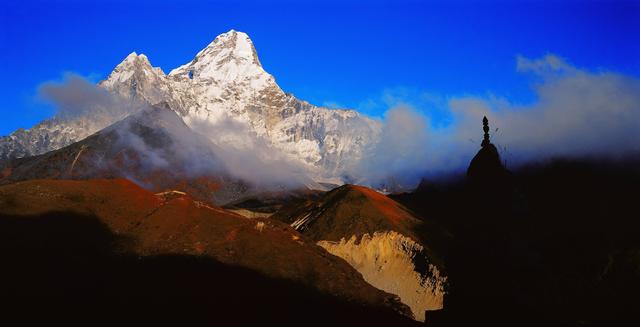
(485, 128)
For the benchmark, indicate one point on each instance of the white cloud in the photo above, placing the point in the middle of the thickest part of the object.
(401, 151)
(577, 113)
(250, 157)
(75, 96)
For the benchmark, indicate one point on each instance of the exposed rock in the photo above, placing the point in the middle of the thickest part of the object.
(378, 237)
(250, 214)
(396, 264)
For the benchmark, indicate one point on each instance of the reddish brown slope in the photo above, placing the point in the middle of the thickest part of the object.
(346, 211)
(175, 224)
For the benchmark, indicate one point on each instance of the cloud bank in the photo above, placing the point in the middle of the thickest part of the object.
(578, 113)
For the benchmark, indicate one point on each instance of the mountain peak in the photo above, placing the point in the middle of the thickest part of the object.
(238, 45)
(133, 65)
(230, 58)
(134, 58)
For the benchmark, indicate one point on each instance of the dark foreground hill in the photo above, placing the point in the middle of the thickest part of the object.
(107, 250)
(555, 244)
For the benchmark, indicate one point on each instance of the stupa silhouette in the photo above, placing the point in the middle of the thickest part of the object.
(486, 169)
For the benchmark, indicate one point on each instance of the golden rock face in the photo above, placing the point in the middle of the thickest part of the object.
(387, 260)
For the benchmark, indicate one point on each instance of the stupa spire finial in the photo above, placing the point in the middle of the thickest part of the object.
(485, 128)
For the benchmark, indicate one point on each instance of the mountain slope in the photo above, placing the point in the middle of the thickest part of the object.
(152, 147)
(172, 223)
(377, 236)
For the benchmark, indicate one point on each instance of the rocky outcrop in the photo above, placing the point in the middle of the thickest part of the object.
(395, 264)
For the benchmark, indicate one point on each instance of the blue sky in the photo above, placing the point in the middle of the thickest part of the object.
(358, 54)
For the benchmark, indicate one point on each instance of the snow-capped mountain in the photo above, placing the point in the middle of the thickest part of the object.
(224, 81)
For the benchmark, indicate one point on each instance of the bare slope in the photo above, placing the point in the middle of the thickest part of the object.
(173, 223)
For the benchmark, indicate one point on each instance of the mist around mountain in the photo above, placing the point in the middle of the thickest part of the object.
(225, 94)
(156, 149)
